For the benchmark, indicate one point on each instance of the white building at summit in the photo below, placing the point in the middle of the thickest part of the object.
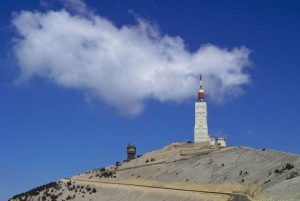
(201, 128)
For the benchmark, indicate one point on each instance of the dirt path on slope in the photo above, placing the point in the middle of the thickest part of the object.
(231, 196)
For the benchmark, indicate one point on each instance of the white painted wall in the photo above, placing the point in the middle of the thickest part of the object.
(221, 141)
(201, 128)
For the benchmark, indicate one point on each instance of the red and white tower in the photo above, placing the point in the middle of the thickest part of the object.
(201, 128)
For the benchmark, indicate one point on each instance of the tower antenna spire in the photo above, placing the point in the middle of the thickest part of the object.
(201, 93)
(201, 83)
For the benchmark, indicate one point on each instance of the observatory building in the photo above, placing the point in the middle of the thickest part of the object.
(201, 129)
(131, 151)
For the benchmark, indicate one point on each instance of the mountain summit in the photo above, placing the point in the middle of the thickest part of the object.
(184, 171)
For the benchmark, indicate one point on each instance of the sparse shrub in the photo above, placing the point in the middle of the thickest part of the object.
(277, 171)
(94, 190)
(267, 181)
(147, 161)
(222, 165)
(53, 197)
(288, 166)
(242, 181)
(241, 172)
(152, 159)
(263, 149)
(69, 183)
(38, 190)
(292, 175)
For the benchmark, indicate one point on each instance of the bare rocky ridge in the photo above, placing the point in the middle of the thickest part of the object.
(184, 171)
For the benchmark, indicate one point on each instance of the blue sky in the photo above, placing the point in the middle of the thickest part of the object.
(51, 128)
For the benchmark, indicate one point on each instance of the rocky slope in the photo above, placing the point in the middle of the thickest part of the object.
(184, 171)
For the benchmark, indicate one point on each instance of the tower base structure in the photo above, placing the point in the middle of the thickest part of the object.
(219, 141)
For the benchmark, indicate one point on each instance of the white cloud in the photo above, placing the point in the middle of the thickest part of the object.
(123, 66)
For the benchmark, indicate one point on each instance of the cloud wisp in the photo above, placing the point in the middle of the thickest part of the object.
(123, 66)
